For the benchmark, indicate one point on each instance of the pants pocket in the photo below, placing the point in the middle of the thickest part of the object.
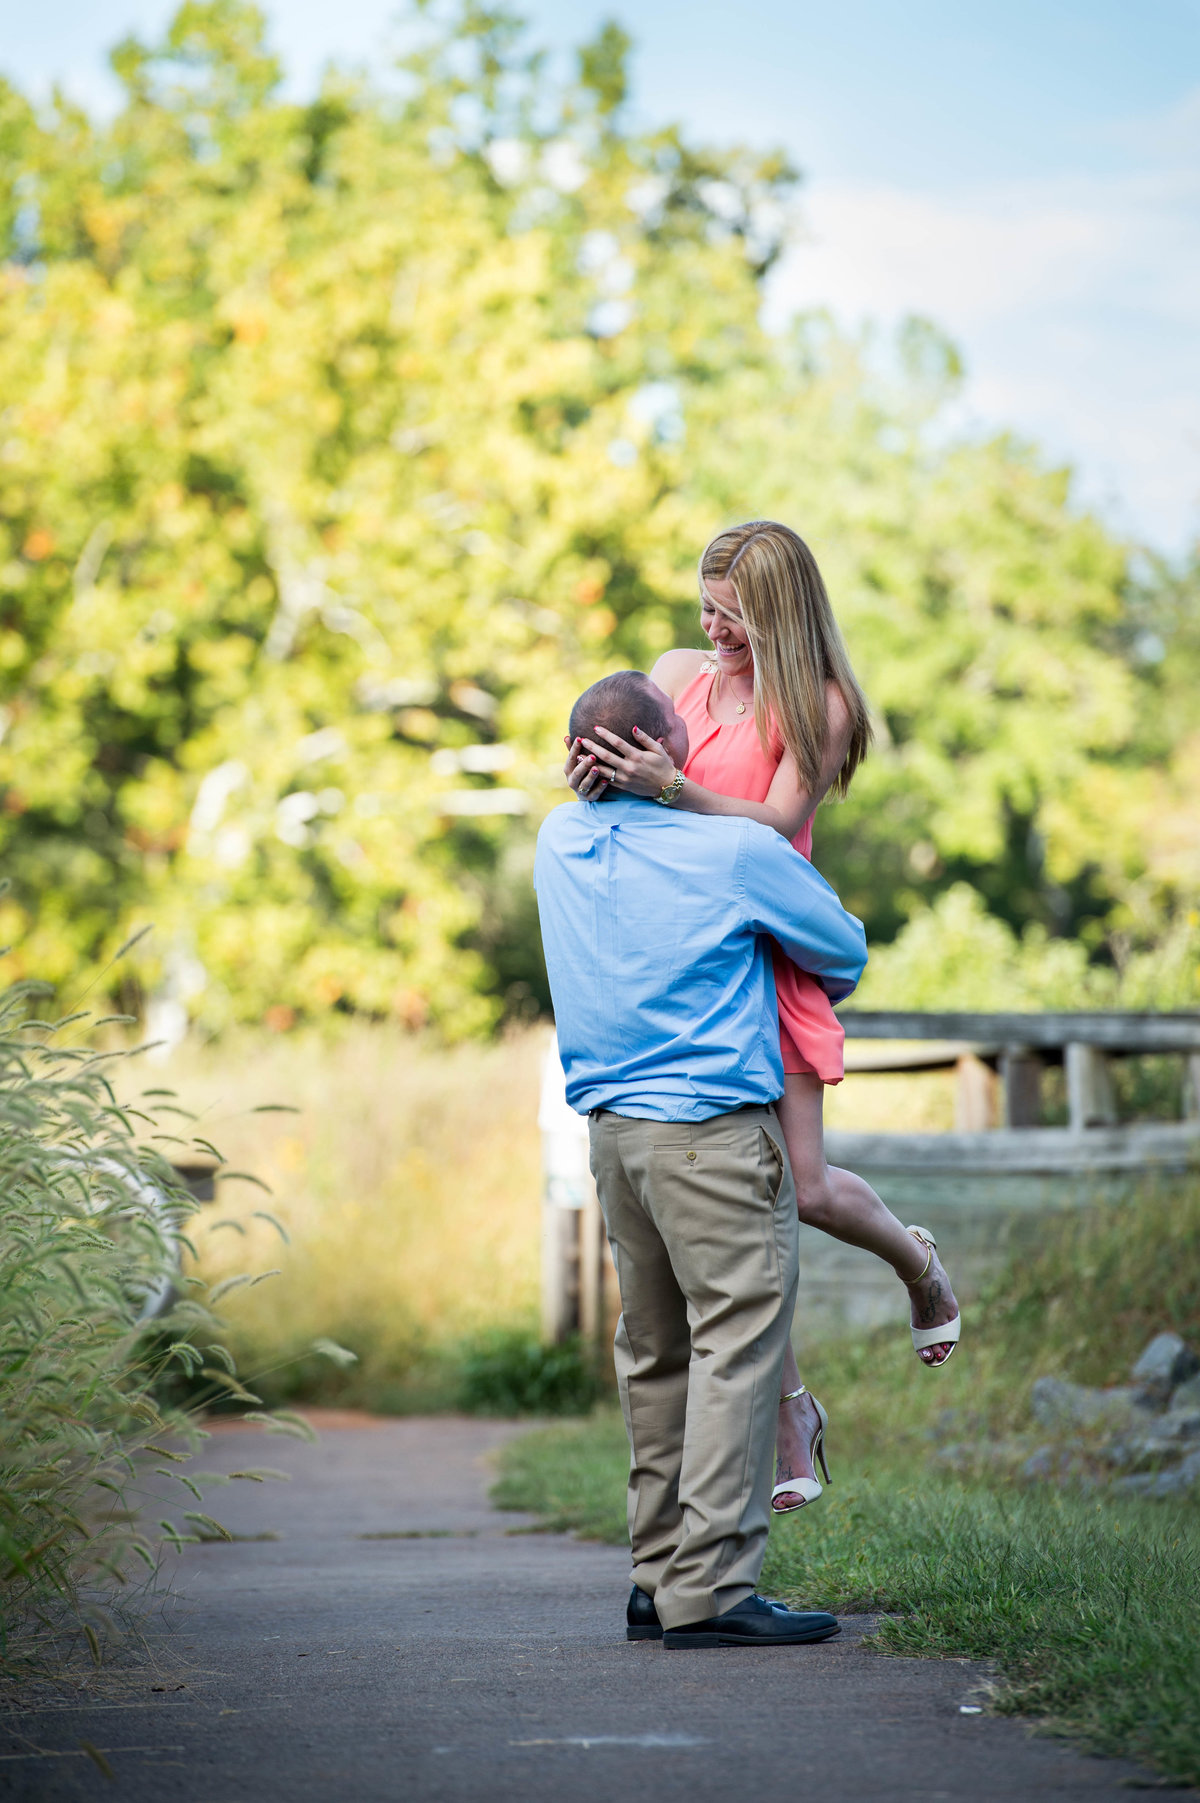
(771, 1158)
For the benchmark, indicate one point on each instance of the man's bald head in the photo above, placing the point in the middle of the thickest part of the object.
(620, 702)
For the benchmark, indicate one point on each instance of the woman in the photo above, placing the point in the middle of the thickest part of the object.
(776, 721)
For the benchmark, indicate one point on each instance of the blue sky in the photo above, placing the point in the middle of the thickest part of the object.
(1028, 175)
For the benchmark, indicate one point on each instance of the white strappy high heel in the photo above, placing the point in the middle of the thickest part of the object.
(948, 1333)
(805, 1487)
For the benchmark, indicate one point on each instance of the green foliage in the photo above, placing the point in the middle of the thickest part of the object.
(90, 1222)
(344, 442)
(955, 954)
(510, 1373)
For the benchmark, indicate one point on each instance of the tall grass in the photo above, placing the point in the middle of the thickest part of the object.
(1082, 1302)
(90, 1218)
(409, 1181)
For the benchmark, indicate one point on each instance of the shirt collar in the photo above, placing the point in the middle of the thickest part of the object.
(618, 806)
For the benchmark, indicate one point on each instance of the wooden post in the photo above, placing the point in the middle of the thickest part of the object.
(592, 1260)
(975, 1108)
(199, 1175)
(1021, 1075)
(1191, 1087)
(1090, 1098)
(559, 1253)
(573, 1245)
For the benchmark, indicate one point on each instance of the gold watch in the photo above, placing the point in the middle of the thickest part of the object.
(667, 798)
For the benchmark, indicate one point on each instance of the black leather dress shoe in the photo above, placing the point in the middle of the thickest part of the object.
(641, 1617)
(756, 1622)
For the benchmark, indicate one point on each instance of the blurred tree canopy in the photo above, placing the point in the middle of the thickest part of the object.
(342, 443)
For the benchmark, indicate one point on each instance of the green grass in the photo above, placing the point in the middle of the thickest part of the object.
(1086, 1608)
(573, 1476)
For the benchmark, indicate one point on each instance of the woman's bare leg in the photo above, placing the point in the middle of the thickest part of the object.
(842, 1205)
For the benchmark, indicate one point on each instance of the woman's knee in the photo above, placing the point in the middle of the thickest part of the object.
(814, 1196)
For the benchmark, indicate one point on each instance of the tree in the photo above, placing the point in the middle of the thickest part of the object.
(343, 443)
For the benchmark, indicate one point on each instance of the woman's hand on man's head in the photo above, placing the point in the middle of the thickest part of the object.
(582, 772)
(643, 768)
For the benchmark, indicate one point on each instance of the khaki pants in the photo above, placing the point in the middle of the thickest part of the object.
(702, 1220)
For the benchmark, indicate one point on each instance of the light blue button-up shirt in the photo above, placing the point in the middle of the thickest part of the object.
(655, 926)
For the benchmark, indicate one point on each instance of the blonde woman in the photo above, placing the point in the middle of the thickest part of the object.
(776, 721)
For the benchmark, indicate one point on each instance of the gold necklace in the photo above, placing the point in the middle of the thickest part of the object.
(739, 705)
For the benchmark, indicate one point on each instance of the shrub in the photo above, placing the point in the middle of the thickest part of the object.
(507, 1373)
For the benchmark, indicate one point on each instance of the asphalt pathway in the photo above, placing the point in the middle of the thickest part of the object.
(378, 1632)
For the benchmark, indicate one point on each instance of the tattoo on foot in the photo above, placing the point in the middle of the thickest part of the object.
(930, 1306)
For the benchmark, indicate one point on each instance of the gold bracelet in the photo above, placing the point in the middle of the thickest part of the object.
(667, 798)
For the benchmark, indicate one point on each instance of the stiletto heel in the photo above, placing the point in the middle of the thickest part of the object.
(948, 1333)
(807, 1488)
(818, 1452)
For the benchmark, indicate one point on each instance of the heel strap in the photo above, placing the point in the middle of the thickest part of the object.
(792, 1395)
(923, 1239)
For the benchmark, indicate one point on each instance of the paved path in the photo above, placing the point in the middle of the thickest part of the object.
(399, 1640)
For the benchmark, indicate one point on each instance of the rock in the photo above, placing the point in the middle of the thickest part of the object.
(973, 1457)
(1166, 1362)
(1164, 1437)
(944, 1424)
(1187, 1396)
(1067, 1462)
(1180, 1423)
(1175, 1482)
(1058, 1404)
(1046, 1462)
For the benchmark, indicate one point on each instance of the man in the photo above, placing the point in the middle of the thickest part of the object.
(656, 927)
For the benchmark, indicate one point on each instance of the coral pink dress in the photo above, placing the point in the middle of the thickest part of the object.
(729, 759)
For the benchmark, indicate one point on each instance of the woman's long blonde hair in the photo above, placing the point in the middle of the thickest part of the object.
(796, 644)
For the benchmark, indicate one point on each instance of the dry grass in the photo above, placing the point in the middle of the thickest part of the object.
(408, 1183)
(887, 1102)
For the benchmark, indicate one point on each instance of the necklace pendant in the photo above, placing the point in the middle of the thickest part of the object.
(741, 707)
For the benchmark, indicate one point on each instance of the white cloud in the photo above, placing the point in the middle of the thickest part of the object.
(1074, 300)
(1171, 136)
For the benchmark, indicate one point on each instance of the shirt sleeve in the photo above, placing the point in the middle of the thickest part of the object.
(785, 897)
